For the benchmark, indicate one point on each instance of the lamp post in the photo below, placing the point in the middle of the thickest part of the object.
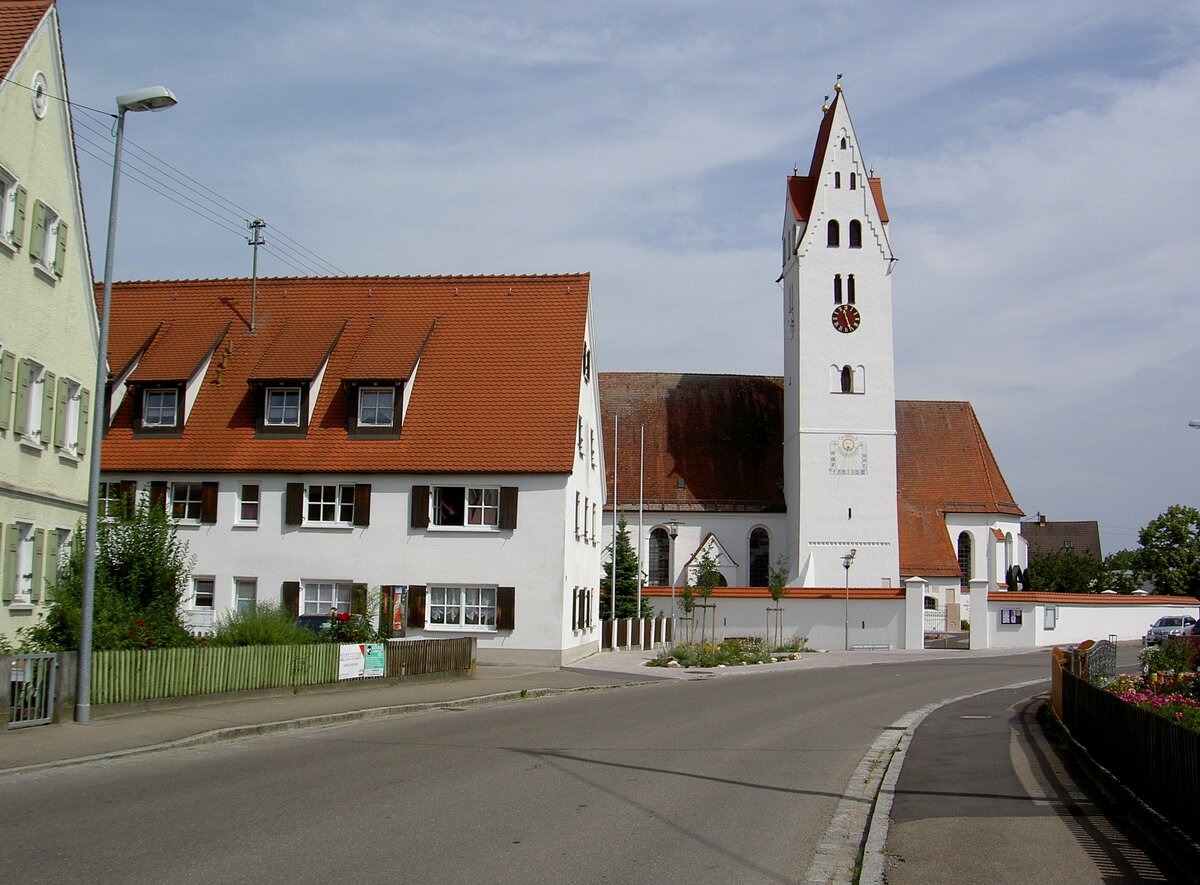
(673, 532)
(152, 98)
(846, 560)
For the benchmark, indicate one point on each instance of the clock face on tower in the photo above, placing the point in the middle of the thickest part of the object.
(845, 318)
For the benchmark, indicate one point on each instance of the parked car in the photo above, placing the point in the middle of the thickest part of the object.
(1168, 626)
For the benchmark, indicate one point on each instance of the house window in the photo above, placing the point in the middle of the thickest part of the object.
(595, 531)
(580, 425)
(330, 505)
(586, 510)
(322, 597)
(12, 210)
(593, 447)
(376, 406)
(187, 501)
(462, 607)
(203, 592)
(855, 234)
(248, 504)
(964, 559)
(35, 406)
(160, 407)
(587, 363)
(69, 416)
(47, 239)
(466, 506)
(577, 516)
(245, 594)
(283, 407)
(116, 499)
(760, 557)
(833, 235)
(850, 294)
(660, 558)
(837, 288)
(26, 534)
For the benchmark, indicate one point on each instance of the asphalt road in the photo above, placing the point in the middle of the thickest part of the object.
(713, 780)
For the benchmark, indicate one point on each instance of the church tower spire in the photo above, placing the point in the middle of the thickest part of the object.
(839, 386)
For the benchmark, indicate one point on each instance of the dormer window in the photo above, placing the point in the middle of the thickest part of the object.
(376, 406)
(160, 408)
(282, 407)
(373, 409)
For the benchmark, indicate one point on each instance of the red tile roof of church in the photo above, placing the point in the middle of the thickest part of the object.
(18, 20)
(497, 390)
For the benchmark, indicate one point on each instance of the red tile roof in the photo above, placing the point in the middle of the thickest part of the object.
(497, 389)
(18, 20)
(723, 436)
(178, 349)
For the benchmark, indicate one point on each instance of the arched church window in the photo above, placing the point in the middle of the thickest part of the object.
(853, 181)
(837, 288)
(849, 290)
(660, 558)
(843, 142)
(760, 557)
(847, 379)
(856, 234)
(837, 179)
(964, 559)
(833, 235)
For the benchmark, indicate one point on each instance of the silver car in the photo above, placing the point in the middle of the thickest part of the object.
(1168, 626)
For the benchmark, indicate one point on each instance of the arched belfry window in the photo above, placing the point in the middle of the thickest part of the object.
(837, 179)
(844, 142)
(833, 235)
(760, 557)
(856, 234)
(849, 290)
(660, 558)
(964, 559)
(837, 288)
(847, 379)
(853, 181)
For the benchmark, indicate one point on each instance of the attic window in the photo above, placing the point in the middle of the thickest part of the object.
(376, 406)
(160, 407)
(282, 407)
(844, 142)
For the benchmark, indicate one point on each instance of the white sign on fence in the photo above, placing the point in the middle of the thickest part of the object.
(356, 661)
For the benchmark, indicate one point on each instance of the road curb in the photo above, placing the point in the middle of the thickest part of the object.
(235, 732)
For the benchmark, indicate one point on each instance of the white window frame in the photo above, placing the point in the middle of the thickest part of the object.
(70, 444)
(8, 207)
(191, 502)
(210, 590)
(285, 393)
(50, 220)
(245, 595)
(244, 500)
(159, 410)
(374, 409)
(461, 607)
(486, 506)
(23, 592)
(333, 503)
(318, 597)
(33, 404)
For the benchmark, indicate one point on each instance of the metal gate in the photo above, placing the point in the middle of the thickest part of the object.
(31, 690)
(935, 620)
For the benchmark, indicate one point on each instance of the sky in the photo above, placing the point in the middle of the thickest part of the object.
(1038, 162)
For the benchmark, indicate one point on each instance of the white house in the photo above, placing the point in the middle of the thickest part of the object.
(431, 440)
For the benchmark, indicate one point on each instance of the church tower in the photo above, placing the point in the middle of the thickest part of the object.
(839, 384)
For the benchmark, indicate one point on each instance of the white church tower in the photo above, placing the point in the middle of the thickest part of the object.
(839, 393)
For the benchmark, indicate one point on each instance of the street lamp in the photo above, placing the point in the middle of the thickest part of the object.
(846, 560)
(673, 532)
(1195, 424)
(152, 98)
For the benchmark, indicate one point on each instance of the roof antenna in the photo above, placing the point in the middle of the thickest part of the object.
(255, 241)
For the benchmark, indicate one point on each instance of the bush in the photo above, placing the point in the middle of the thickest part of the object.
(264, 625)
(1174, 655)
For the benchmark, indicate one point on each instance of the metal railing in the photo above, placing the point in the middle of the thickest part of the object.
(31, 689)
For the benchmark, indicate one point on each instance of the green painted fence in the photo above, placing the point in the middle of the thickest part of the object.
(146, 674)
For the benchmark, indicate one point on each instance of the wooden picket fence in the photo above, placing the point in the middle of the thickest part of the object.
(147, 674)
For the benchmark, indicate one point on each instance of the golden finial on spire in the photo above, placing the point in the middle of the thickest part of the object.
(837, 86)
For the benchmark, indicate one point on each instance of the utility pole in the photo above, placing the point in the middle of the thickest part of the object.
(256, 240)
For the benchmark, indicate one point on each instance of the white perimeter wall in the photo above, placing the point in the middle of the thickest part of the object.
(1075, 623)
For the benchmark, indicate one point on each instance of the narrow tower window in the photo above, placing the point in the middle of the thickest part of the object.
(853, 181)
(837, 179)
(833, 235)
(847, 379)
(849, 290)
(843, 142)
(837, 288)
(855, 234)
(964, 559)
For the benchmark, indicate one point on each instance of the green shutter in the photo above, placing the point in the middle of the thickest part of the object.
(8, 372)
(18, 228)
(12, 537)
(48, 392)
(37, 232)
(61, 411)
(85, 413)
(60, 248)
(21, 418)
(53, 550)
(35, 578)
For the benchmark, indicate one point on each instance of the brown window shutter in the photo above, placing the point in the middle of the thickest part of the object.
(208, 503)
(358, 599)
(387, 602)
(508, 507)
(362, 504)
(158, 494)
(290, 597)
(127, 490)
(420, 509)
(416, 607)
(294, 504)
(506, 608)
(577, 610)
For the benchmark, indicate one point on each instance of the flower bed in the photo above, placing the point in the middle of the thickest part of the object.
(1172, 697)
